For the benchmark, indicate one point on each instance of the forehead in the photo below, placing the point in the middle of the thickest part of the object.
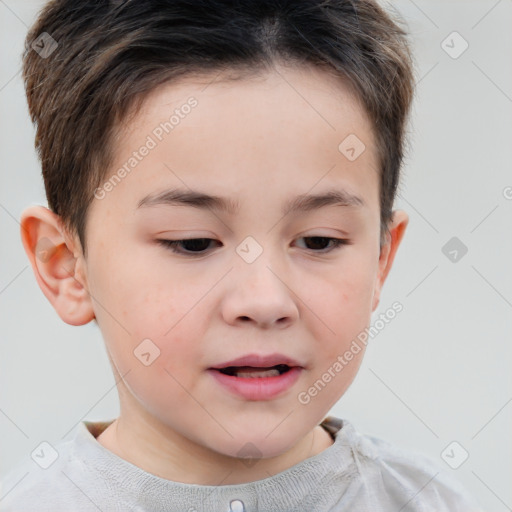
(277, 131)
(292, 93)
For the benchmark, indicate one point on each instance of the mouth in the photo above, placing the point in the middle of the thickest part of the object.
(253, 366)
(257, 377)
(251, 372)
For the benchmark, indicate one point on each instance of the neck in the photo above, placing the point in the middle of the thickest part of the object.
(167, 454)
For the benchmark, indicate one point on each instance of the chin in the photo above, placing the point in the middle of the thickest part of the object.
(252, 445)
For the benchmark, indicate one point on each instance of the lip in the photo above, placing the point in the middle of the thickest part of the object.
(259, 388)
(260, 360)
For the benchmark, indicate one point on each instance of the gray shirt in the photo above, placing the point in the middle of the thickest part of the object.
(356, 473)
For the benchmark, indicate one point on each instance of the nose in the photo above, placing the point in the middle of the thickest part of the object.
(261, 295)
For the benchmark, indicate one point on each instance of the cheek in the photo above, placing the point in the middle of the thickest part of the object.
(342, 307)
(141, 297)
(137, 302)
(344, 297)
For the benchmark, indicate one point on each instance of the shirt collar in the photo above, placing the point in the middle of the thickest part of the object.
(320, 478)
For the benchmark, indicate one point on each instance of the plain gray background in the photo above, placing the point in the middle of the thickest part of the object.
(438, 373)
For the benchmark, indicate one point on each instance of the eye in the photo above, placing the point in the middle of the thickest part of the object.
(324, 240)
(193, 246)
(199, 246)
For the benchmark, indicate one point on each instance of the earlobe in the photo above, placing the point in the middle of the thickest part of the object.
(387, 254)
(57, 264)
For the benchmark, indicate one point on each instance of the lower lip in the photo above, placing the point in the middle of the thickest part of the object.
(258, 388)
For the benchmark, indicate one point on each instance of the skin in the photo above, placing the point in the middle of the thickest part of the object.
(259, 141)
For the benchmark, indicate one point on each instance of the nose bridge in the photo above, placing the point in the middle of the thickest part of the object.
(258, 264)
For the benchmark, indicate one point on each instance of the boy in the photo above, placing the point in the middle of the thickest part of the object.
(220, 177)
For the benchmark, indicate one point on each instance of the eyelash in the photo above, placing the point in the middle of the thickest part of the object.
(174, 244)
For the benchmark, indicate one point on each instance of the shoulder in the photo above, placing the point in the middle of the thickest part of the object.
(35, 482)
(401, 478)
(53, 478)
(36, 478)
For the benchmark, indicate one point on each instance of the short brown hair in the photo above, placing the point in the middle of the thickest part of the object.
(112, 54)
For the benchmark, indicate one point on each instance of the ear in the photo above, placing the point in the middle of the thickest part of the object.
(58, 264)
(387, 253)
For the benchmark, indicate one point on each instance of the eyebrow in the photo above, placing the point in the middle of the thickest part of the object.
(197, 199)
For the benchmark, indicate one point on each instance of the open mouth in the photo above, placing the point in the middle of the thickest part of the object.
(255, 379)
(254, 372)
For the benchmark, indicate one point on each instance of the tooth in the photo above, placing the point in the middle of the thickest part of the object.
(254, 374)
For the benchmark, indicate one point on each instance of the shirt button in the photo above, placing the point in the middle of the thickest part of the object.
(236, 506)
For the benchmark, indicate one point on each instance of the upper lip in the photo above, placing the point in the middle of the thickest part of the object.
(259, 361)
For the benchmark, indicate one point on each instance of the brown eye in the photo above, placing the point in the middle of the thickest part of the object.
(192, 246)
(321, 243)
(200, 246)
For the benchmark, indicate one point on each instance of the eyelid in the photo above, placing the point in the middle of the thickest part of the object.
(172, 245)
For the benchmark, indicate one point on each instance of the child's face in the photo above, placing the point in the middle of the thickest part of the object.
(258, 143)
